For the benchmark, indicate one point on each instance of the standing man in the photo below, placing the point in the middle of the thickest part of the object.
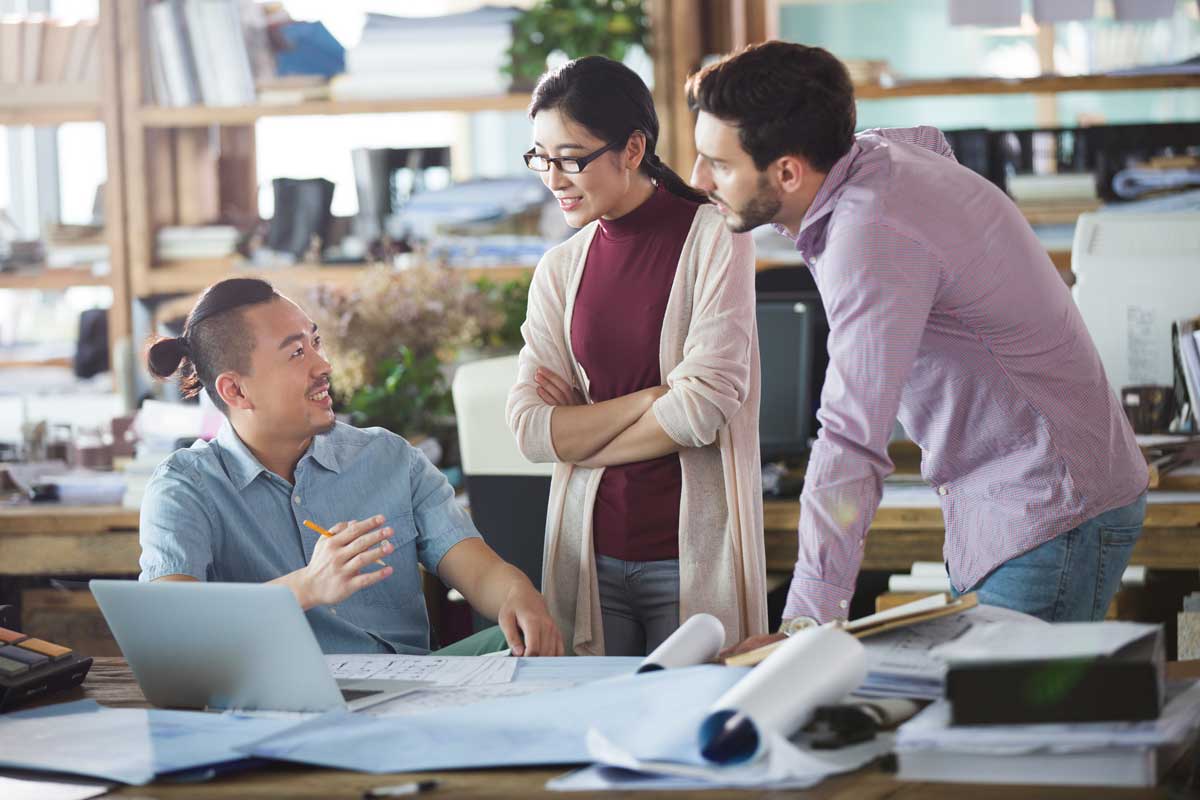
(945, 312)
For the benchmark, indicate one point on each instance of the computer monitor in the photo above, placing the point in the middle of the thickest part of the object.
(792, 335)
(1135, 274)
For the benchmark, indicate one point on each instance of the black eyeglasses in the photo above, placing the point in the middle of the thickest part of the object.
(571, 166)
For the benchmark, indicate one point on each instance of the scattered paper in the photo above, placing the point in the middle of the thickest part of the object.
(123, 744)
(442, 670)
(35, 788)
(900, 663)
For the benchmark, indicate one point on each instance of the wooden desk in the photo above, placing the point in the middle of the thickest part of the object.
(899, 536)
(111, 683)
(40, 540)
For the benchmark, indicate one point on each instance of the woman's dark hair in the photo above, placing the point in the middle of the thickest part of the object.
(784, 98)
(611, 101)
(214, 338)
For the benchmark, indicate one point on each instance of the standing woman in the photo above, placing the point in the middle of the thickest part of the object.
(640, 378)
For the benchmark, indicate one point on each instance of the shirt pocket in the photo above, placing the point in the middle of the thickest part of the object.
(403, 587)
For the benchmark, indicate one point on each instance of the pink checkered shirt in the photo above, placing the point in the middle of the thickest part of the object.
(946, 312)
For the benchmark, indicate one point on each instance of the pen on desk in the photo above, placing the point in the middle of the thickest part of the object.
(399, 790)
(308, 523)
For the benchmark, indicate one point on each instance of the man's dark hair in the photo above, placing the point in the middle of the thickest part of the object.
(611, 101)
(784, 98)
(215, 338)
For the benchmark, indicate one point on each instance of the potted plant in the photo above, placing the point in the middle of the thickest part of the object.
(391, 337)
(576, 28)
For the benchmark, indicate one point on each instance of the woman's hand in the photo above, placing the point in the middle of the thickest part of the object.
(555, 391)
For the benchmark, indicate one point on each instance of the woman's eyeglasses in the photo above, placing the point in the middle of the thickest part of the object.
(571, 166)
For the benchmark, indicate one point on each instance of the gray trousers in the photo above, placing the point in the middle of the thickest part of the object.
(639, 604)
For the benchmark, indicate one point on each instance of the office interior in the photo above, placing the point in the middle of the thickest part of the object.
(307, 148)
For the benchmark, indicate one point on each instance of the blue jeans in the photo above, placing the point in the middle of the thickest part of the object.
(1072, 577)
(639, 604)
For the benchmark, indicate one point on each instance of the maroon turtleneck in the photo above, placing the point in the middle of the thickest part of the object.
(615, 332)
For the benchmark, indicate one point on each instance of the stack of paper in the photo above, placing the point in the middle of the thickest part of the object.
(900, 662)
(1101, 754)
(394, 58)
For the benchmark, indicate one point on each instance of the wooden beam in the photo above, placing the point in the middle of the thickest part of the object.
(120, 315)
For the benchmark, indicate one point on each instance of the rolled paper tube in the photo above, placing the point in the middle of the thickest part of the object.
(696, 641)
(814, 667)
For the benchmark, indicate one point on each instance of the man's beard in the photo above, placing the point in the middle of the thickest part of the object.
(759, 210)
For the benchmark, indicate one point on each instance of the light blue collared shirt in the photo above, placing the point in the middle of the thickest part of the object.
(215, 513)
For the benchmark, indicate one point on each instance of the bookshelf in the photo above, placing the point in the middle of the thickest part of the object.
(95, 99)
(171, 152)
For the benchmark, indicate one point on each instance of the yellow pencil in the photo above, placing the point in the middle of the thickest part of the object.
(308, 523)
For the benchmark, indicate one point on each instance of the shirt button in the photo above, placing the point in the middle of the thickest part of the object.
(943, 490)
(842, 604)
(296, 499)
(333, 611)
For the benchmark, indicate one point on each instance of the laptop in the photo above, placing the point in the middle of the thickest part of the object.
(245, 646)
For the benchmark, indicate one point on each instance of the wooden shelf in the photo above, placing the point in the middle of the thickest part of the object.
(1045, 84)
(192, 276)
(194, 116)
(49, 115)
(61, 278)
(49, 103)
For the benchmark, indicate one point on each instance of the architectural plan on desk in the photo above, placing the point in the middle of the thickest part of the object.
(440, 670)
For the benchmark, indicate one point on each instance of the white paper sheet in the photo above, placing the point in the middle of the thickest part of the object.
(32, 788)
(442, 670)
(123, 744)
(697, 641)
(900, 663)
(1027, 641)
(813, 667)
(784, 763)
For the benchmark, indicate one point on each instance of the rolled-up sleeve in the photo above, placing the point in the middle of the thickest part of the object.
(878, 287)
(543, 331)
(711, 383)
(441, 522)
(176, 530)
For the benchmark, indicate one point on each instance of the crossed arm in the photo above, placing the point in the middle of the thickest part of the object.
(623, 430)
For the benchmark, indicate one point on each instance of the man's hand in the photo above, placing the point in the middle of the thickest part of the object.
(527, 624)
(753, 643)
(555, 391)
(336, 569)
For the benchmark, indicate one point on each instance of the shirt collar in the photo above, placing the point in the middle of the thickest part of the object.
(243, 467)
(241, 464)
(826, 199)
(323, 451)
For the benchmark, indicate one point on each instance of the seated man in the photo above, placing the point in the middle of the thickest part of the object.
(233, 509)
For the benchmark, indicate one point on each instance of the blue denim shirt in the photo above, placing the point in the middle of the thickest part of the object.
(215, 513)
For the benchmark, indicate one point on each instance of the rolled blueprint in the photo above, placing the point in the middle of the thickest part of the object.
(696, 641)
(814, 667)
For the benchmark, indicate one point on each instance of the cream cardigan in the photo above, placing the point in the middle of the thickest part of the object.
(709, 353)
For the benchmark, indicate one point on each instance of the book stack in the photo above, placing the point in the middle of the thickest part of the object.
(198, 242)
(1067, 704)
(400, 57)
(37, 52)
(201, 51)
